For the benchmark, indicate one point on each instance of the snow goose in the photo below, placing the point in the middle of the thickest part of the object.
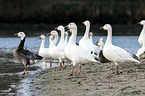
(142, 34)
(114, 53)
(91, 36)
(66, 37)
(44, 51)
(54, 51)
(101, 43)
(62, 42)
(141, 52)
(85, 42)
(101, 56)
(97, 50)
(24, 56)
(75, 53)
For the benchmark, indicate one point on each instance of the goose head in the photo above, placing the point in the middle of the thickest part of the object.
(60, 27)
(142, 22)
(91, 34)
(66, 33)
(106, 27)
(42, 37)
(53, 33)
(101, 39)
(21, 34)
(87, 23)
(71, 26)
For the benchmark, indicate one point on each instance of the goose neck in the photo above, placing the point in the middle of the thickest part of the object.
(109, 37)
(42, 43)
(143, 30)
(62, 36)
(87, 31)
(72, 39)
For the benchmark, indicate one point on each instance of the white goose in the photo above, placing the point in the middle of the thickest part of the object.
(61, 45)
(101, 56)
(114, 53)
(54, 51)
(141, 52)
(85, 42)
(91, 36)
(62, 41)
(101, 43)
(75, 53)
(66, 37)
(142, 34)
(97, 50)
(44, 51)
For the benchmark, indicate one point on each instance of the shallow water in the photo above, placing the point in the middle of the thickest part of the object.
(11, 70)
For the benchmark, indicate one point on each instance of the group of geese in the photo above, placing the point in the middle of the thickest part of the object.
(84, 53)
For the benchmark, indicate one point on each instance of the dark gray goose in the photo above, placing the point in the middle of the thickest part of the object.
(24, 56)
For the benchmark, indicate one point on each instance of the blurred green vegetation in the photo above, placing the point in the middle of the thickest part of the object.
(66, 11)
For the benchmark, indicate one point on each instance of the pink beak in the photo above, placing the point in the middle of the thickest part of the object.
(49, 33)
(138, 23)
(83, 22)
(56, 28)
(16, 34)
(102, 27)
(66, 26)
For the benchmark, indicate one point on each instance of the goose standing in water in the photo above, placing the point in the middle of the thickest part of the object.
(114, 53)
(44, 51)
(75, 53)
(24, 56)
(142, 34)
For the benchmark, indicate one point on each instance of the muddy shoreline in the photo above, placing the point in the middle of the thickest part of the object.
(95, 80)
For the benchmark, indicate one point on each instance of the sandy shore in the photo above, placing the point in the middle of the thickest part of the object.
(94, 80)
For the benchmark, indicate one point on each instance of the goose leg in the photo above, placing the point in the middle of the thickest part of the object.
(116, 72)
(45, 62)
(71, 74)
(63, 65)
(60, 66)
(69, 62)
(79, 70)
(25, 70)
(51, 63)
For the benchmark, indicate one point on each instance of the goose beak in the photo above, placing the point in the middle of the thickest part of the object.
(138, 23)
(16, 34)
(56, 28)
(102, 27)
(66, 26)
(68, 30)
(49, 33)
(39, 37)
(83, 22)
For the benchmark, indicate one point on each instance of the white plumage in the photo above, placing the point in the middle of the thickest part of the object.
(76, 53)
(142, 34)
(44, 51)
(54, 51)
(115, 53)
(85, 42)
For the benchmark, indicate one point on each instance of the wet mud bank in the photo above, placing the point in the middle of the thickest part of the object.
(95, 79)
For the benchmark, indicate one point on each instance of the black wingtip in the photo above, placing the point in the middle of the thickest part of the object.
(134, 56)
